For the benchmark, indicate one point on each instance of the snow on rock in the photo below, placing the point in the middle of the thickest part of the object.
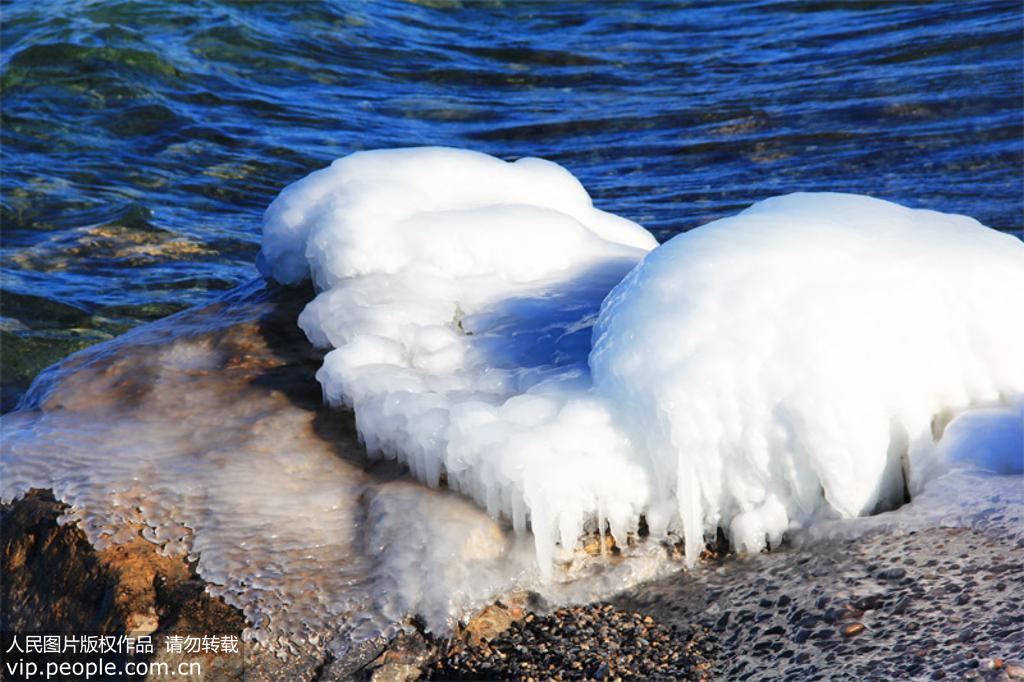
(790, 363)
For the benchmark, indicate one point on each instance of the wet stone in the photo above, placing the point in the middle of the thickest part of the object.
(602, 645)
(917, 612)
(893, 573)
(853, 629)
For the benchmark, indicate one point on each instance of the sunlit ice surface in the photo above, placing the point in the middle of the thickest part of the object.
(752, 374)
(770, 372)
(205, 434)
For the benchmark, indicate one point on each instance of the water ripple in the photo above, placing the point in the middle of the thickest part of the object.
(671, 113)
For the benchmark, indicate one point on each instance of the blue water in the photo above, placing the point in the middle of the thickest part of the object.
(141, 141)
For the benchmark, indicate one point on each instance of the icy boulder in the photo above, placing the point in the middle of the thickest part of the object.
(796, 361)
(458, 292)
(801, 356)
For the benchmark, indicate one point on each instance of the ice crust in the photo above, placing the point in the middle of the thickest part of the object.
(795, 362)
(188, 433)
(801, 356)
(787, 357)
(458, 292)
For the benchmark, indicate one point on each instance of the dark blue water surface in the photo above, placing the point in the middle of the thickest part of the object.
(142, 140)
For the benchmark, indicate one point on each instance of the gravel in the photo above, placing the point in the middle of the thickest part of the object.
(941, 603)
(938, 603)
(596, 642)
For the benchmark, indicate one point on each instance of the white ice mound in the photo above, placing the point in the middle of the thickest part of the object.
(464, 213)
(795, 361)
(458, 292)
(805, 353)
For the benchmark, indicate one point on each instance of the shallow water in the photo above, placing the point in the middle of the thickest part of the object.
(141, 141)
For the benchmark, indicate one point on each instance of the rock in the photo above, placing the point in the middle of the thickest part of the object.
(494, 619)
(55, 582)
(596, 545)
(853, 629)
(404, 659)
(893, 573)
(355, 663)
(395, 672)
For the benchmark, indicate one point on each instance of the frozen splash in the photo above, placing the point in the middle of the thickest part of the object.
(458, 293)
(754, 374)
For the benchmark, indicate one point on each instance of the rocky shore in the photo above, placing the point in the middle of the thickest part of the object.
(943, 603)
(598, 642)
(933, 603)
(940, 603)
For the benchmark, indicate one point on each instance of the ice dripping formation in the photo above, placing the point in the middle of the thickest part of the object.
(501, 337)
(753, 374)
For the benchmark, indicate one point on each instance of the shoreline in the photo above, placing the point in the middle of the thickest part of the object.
(938, 603)
(782, 612)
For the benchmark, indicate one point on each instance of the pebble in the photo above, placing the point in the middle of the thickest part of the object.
(598, 641)
(853, 629)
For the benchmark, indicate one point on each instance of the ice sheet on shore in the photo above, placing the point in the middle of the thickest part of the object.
(199, 433)
(794, 362)
(196, 432)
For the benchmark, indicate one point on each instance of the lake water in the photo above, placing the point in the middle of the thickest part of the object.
(142, 140)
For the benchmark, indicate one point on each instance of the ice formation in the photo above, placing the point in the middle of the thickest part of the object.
(196, 433)
(794, 362)
(801, 356)
(458, 292)
(973, 480)
(783, 368)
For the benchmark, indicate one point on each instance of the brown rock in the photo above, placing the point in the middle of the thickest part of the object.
(55, 582)
(595, 545)
(395, 672)
(853, 629)
(495, 619)
(405, 659)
